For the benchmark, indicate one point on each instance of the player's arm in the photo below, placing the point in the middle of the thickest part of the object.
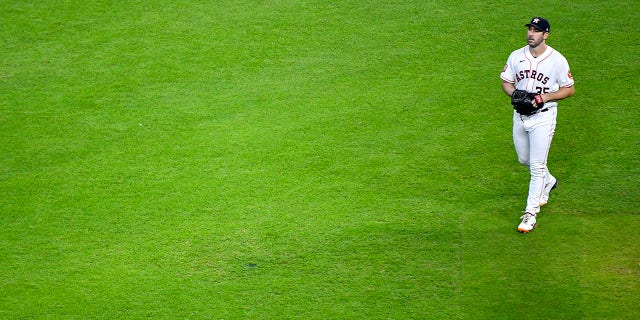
(508, 88)
(562, 93)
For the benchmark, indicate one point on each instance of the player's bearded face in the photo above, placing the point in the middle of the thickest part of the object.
(535, 37)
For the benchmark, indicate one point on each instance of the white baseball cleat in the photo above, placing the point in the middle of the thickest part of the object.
(547, 190)
(528, 223)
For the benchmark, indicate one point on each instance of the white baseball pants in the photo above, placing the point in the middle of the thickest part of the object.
(532, 137)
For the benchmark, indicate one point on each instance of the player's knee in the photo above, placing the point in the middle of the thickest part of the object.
(523, 161)
(537, 169)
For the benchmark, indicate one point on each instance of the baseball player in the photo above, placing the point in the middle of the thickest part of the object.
(535, 77)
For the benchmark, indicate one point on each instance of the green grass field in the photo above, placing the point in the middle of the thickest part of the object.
(309, 160)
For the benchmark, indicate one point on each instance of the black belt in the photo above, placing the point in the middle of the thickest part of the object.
(539, 111)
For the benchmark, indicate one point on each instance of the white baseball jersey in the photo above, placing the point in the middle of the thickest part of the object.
(546, 73)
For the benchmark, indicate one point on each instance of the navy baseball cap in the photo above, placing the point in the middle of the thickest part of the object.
(539, 23)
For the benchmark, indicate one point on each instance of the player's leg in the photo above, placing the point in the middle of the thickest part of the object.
(540, 137)
(521, 144)
(520, 139)
(550, 183)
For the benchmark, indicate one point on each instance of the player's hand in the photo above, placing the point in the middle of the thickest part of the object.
(537, 101)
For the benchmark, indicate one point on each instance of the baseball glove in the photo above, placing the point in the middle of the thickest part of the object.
(526, 103)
